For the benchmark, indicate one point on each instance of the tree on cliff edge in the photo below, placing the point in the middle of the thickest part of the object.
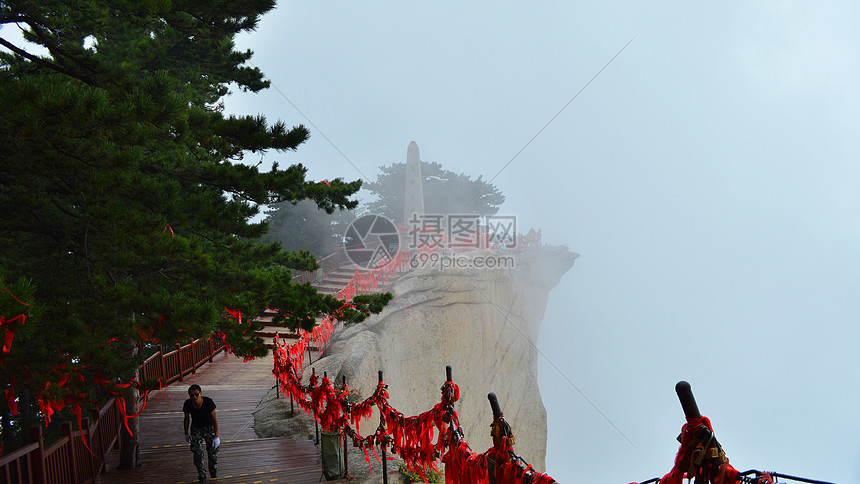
(126, 208)
(445, 192)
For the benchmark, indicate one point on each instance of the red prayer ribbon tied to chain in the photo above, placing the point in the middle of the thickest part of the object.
(367, 282)
(419, 440)
(723, 473)
(463, 465)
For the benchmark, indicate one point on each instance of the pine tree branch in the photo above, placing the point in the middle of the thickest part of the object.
(14, 19)
(55, 49)
(42, 62)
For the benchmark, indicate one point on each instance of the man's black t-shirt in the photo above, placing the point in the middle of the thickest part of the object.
(200, 417)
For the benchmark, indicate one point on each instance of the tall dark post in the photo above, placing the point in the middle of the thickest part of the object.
(384, 457)
(277, 381)
(292, 370)
(688, 402)
(314, 402)
(345, 458)
(497, 412)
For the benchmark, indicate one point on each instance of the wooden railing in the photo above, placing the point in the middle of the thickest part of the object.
(170, 367)
(328, 264)
(68, 460)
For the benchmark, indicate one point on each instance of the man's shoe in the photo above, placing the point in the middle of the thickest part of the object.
(213, 474)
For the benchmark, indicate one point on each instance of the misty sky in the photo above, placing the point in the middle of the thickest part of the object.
(708, 178)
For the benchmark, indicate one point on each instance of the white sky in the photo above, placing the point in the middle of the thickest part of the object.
(708, 178)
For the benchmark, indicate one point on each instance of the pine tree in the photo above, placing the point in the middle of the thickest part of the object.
(127, 212)
(445, 192)
(305, 226)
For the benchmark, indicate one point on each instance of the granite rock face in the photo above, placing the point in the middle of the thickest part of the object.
(482, 322)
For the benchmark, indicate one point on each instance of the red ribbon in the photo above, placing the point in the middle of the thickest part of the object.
(726, 474)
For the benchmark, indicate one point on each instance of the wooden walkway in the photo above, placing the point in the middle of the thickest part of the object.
(237, 388)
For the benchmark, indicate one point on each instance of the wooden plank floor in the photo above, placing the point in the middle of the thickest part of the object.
(237, 388)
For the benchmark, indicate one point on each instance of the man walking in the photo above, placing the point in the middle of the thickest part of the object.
(200, 412)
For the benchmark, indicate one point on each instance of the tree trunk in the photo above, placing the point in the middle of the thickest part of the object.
(129, 445)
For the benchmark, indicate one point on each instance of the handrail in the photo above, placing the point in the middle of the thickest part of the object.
(77, 459)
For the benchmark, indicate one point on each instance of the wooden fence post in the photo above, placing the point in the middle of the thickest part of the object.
(193, 357)
(85, 424)
(73, 465)
(100, 431)
(209, 348)
(37, 458)
(179, 357)
(161, 364)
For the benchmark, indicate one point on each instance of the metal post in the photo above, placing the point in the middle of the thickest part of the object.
(291, 369)
(277, 380)
(384, 457)
(491, 462)
(345, 458)
(314, 402)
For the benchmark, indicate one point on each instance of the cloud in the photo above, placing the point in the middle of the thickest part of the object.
(792, 46)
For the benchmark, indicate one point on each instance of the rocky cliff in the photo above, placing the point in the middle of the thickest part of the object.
(482, 322)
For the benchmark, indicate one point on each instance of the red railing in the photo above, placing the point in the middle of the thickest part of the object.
(170, 367)
(68, 460)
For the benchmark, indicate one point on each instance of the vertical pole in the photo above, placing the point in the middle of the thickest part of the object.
(161, 364)
(384, 457)
(37, 458)
(314, 403)
(345, 458)
(193, 357)
(179, 359)
(277, 381)
(85, 424)
(291, 369)
(73, 465)
(100, 432)
(497, 412)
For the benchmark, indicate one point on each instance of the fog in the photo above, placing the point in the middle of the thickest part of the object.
(707, 177)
